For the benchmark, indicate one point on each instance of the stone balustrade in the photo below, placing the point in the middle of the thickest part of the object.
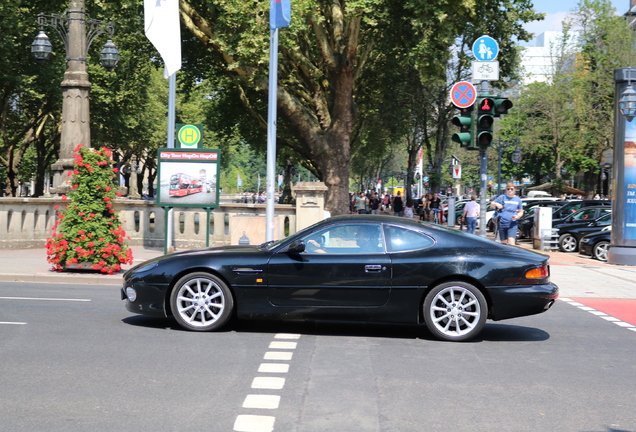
(27, 222)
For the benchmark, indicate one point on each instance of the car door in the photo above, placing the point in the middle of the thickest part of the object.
(342, 272)
(415, 260)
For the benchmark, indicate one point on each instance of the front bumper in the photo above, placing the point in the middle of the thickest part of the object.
(150, 300)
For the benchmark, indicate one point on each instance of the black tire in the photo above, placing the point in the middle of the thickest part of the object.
(455, 311)
(600, 250)
(568, 243)
(201, 302)
(491, 225)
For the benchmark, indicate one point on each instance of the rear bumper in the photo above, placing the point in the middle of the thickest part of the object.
(522, 300)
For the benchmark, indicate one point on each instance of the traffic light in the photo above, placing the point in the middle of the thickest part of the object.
(485, 121)
(502, 105)
(466, 130)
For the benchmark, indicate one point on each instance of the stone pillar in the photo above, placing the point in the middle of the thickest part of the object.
(75, 93)
(310, 203)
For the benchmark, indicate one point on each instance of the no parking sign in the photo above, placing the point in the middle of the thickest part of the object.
(463, 94)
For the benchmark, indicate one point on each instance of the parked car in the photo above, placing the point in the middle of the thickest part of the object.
(559, 214)
(596, 244)
(526, 222)
(584, 221)
(349, 268)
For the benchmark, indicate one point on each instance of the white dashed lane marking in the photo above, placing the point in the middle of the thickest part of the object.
(265, 423)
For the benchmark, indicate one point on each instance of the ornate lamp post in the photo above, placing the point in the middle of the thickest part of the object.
(77, 31)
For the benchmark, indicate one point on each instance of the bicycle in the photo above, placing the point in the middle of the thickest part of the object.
(436, 213)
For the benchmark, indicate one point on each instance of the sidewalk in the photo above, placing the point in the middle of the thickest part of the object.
(576, 275)
(29, 265)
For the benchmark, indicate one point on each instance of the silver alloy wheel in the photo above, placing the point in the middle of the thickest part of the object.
(600, 250)
(455, 311)
(201, 302)
(567, 243)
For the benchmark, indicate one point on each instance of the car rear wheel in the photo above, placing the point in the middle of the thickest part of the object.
(201, 302)
(568, 243)
(600, 250)
(455, 311)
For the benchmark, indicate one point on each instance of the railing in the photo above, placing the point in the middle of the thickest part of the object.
(27, 222)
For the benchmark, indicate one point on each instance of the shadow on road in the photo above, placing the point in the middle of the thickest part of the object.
(492, 332)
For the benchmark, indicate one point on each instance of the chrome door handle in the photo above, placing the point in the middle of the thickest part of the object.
(373, 268)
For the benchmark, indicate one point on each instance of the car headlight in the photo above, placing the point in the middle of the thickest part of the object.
(131, 294)
(585, 240)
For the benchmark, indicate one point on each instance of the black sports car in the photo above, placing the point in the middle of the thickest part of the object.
(596, 244)
(349, 268)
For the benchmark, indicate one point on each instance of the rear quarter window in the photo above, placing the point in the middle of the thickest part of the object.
(399, 239)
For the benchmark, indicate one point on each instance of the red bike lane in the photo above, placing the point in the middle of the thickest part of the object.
(623, 309)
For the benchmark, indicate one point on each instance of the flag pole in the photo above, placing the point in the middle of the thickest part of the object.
(271, 135)
(172, 96)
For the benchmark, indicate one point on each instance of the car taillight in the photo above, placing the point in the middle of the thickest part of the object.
(538, 273)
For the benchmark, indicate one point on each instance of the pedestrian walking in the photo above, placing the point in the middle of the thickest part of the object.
(409, 208)
(398, 205)
(511, 208)
(361, 203)
(470, 215)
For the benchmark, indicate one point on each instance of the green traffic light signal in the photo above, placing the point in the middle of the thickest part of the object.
(464, 120)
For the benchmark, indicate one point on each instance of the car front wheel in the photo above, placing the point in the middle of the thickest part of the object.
(600, 250)
(201, 302)
(567, 243)
(455, 311)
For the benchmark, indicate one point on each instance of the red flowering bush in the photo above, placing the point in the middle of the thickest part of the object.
(87, 232)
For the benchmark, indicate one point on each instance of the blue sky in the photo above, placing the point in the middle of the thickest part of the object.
(557, 10)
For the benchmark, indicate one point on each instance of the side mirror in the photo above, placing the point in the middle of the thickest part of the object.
(297, 246)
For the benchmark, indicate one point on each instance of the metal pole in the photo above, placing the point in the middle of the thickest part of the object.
(499, 152)
(172, 96)
(271, 135)
(483, 176)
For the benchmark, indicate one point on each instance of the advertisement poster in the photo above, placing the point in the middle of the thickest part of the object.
(188, 178)
(629, 217)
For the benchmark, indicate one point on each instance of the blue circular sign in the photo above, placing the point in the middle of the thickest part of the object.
(485, 48)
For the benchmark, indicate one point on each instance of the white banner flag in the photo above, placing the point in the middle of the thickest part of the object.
(161, 22)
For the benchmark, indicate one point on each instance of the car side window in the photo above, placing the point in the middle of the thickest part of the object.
(401, 240)
(346, 239)
(584, 214)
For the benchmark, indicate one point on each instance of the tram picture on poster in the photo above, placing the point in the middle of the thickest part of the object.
(629, 216)
(188, 178)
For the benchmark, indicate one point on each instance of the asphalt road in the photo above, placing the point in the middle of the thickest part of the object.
(73, 359)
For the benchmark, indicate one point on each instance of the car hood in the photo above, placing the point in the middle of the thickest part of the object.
(193, 253)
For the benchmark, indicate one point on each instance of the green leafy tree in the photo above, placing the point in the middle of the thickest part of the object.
(30, 99)
(607, 43)
(322, 59)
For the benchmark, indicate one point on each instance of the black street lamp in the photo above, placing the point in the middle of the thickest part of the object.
(77, 30)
